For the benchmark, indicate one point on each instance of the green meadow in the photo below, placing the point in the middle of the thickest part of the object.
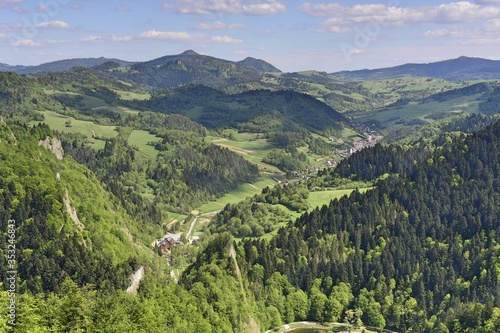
(320, 198)
(94, 132)
(139, 139)
(240, 193)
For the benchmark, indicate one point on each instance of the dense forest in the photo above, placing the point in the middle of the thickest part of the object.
(414, 249)
(419, 252)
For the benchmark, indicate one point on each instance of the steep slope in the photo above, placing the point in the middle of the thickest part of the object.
(418, 252)
(64, 218)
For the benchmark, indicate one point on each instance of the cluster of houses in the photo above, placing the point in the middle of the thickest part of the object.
(166, 243)
(370, 141)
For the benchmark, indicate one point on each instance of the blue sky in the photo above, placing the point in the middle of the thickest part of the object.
(293, 35)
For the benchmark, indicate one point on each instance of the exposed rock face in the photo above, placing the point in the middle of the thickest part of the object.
(135, 280)
(72, 211)
(54, 145)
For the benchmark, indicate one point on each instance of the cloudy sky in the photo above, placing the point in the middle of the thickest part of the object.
(291, 34)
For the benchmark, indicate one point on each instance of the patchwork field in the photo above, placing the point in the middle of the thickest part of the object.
(94, 132)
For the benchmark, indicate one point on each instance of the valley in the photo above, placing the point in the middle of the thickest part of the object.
(254, 200)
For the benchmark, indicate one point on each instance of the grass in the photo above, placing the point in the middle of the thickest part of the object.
(320, 198)
(398, 116)
(240, 193)
(139, 139)
(250, 146)
(58, 122)
(130, 95)
(254, 148)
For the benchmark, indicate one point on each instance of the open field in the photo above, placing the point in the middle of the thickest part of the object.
(254, 147)
(313, 327)
(96, 133)
(58, 121)
(139, 139)
(320, 198)
(131, 95)
(250, 146)
(240, 193)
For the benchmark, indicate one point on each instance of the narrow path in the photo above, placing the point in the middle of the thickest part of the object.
(93, 132)
(188, 236)
(255, 187)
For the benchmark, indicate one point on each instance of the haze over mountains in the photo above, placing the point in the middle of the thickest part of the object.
(462, 68)
(66, 64)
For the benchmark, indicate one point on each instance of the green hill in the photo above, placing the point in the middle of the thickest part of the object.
(215, 109)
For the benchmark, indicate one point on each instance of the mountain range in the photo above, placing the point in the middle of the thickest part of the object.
(66, 64)
(191, 67)
(459, 69)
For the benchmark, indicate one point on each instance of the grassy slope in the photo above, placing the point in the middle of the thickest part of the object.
(57, 122)
(397, 116)
(320, 198)
(140, 140)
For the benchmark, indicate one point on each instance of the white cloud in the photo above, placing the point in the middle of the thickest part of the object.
(53, 25)
(41, 8)
(167, 35)
(127, 38)
(451, 32)
(487, 1)
(108, 39)
(19, 10)
(254, 7)
(460, 35)
(92, 39)
(26, 43)
(4, 3)
(219, 25)
(340, 17)
(32, 43)
(226, 40)
(237, 26)
(492, 25)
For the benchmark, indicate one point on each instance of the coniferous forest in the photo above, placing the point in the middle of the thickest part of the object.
(413, 247)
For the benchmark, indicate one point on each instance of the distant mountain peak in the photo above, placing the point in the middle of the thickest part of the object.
(189, 53)
(258, 64)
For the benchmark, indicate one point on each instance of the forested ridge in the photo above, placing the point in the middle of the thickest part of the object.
(418, 252)
(50, 246)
